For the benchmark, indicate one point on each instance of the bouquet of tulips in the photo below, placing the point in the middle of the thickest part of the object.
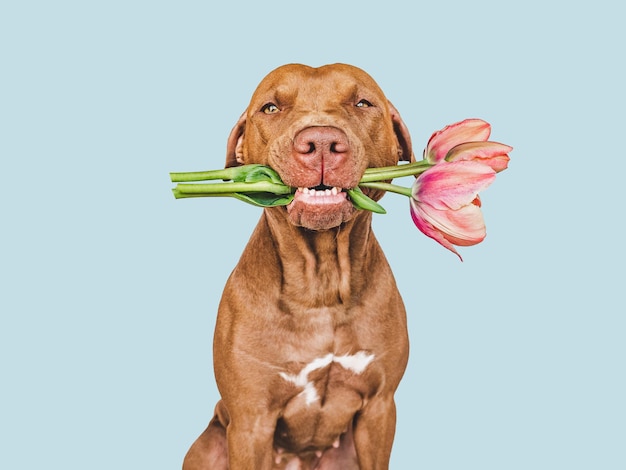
(457, 164)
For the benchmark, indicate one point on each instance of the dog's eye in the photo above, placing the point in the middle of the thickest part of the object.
(270, 108)
(363, 104)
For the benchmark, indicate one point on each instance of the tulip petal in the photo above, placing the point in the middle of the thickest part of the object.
(493, 154)
(469, 130)
(427, 228)
(462, 227)
(452, 185)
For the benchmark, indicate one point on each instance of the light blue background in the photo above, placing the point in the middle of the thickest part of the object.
(109, 286)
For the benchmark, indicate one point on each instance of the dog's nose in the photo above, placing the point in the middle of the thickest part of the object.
(321, 147)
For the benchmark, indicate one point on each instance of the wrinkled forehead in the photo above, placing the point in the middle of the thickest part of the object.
(335, 81)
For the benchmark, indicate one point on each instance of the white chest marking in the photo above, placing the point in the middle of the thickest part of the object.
(356, 363)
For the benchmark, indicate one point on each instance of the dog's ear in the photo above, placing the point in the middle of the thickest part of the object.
(405, 149)
(234, 146)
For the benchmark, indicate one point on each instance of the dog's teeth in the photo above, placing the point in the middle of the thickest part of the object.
(336, 443)
(318, 453)
(312, 192)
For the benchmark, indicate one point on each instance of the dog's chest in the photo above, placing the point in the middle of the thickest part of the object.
(321, 397)
(316, 379)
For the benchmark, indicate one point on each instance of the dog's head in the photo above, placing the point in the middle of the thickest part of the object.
(319, 128)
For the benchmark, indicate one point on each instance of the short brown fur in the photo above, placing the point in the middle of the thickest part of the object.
(312, 281)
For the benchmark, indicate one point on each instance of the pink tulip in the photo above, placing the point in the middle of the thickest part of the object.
(492, 154)
(467, 141)
(445, 205)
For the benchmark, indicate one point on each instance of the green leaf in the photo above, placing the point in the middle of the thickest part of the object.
(255, 173)
(265, 199)
(256, 198)
(361, 201)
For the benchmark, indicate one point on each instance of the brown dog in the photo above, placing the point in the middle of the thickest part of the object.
(311, 340)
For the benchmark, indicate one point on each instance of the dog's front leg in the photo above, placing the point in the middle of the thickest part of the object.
(250, 442)
(373, 433)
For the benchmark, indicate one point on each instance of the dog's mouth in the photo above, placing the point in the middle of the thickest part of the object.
(320, 207)
(320, 194)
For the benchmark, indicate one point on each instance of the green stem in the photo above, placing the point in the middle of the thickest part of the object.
(393, 188)
(179, 195)
(397, 171)
(226, 188)
(222, 174)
